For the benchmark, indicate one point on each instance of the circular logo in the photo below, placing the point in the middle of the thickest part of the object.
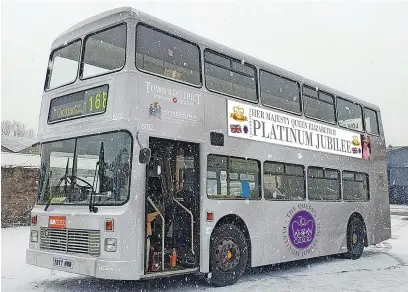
(302, 229)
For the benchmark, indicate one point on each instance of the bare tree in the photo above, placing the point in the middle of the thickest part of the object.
(19, 129)
(16, 128)
(6, 128)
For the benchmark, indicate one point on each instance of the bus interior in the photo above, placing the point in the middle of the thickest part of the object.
(172, 207)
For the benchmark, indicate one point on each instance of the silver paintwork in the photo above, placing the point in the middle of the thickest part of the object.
(128, 103)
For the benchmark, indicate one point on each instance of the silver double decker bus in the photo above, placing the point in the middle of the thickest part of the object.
(164, 153)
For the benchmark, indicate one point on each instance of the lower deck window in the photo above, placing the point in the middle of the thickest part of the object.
(284, 181)
(232, 178)
(323, 184)
(355, 186)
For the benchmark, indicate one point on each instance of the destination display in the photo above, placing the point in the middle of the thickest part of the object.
(254, 123)
(79, 104)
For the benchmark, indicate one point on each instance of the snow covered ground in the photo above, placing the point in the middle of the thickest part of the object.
(382, 268)
(399, 210)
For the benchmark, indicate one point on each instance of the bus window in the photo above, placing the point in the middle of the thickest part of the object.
(280, 92)
(104, 51)
(63, 66)
(228, 76)
(168, 56)
(349, 115)
(284, 181)
(232, 178)
(355, 186)
(371, 121)
(97, 164)
(323, 184)
(318, 105)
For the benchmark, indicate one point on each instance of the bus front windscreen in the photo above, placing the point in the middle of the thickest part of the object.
(73, 169)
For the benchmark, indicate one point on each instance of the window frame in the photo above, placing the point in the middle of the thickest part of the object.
(140, 23)
(231, 59)
(367, 176)
(318, 99)
(259, 187)
(324, 177)
(362, 114)
(49, 70)
(81, 69)
(284, 173)
(90, 135)
(300, 113)
(377, 120)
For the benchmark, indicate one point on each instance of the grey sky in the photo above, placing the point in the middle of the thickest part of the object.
(357, 48)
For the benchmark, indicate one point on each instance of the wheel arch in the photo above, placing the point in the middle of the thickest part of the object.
(240, 223)
(360, 217)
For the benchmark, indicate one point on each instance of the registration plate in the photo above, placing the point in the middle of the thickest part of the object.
(63, 263)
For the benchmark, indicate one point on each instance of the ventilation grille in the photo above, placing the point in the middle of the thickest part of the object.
(71, 240)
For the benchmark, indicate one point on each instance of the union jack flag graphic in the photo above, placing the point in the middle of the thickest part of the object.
(236, 129)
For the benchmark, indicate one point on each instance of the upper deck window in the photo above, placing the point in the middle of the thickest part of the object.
(104, 51)
(371, 121)
(318, 105)
(349, 115)
(163, 54)
(226, 75)
(280, 92)
(63, 65)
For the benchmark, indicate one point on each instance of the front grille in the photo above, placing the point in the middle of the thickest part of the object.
(71, 240)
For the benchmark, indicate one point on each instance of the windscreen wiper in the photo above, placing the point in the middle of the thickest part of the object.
(44, 185)
(65, 177)
(100, 170)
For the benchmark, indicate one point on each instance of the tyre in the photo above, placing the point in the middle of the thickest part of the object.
(228, 255)
(355, 239)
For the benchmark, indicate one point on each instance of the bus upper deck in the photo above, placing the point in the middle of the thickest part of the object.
(102, 54)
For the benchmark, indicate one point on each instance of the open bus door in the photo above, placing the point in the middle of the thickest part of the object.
(172, 208)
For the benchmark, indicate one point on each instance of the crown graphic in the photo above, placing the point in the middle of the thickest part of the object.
(238, 109)
(302, 230)
(238, 114)
(355, 141)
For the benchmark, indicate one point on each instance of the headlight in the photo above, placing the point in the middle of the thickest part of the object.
(34, 236)
(110, 244)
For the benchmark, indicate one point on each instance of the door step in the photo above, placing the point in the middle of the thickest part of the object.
(151, 275)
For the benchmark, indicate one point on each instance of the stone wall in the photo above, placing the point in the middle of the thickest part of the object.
(18, 194)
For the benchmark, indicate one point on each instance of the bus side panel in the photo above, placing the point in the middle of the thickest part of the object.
(269, 224)
(380, 225)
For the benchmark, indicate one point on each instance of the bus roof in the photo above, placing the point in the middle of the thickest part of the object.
(121, 14)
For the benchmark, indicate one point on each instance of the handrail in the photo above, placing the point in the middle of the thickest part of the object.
(192, 223)
(163, 229)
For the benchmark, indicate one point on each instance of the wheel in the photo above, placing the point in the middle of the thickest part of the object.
(355, 239)
(228, 255)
